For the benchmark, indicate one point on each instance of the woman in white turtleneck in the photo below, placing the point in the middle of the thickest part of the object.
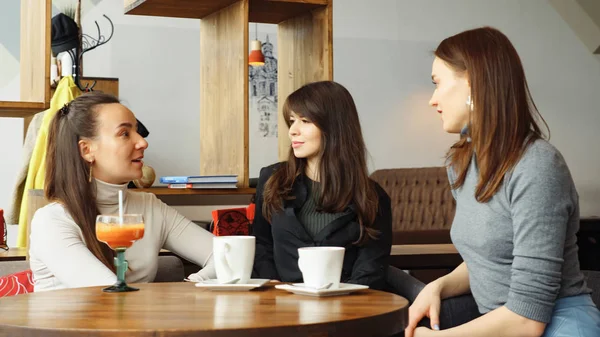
(93, 151)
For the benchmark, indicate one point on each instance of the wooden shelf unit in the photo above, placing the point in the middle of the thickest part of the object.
(21, 109)
(205, 197)
(171, 196)
(107, 85)
(34, 62)
(160, 191)
(35, 90)
(264, 11)
(305, 54)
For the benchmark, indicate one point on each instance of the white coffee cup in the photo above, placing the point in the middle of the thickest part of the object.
(321, 266)
(234, 257)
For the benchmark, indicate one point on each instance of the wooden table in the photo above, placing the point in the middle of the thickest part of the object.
(13, 254)
(425, 256)
(181, 309)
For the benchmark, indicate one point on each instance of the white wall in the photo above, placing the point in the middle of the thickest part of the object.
(157, 63)
(10, 35)
(11, 129)
(382, 53)
(11, 139)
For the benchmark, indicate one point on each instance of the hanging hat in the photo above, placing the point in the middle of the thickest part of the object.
(65, 34)
(141, 129)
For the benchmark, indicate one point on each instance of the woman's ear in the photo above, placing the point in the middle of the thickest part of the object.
(468, 80)
(86, 150)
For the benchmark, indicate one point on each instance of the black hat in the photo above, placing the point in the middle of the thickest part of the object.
(65, 33)
(141, 129)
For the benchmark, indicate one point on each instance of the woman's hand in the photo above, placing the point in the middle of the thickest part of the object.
(428, 304)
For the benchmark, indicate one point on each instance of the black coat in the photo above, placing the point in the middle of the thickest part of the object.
(277, 242)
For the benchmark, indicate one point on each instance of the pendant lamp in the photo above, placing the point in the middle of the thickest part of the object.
(256, 57)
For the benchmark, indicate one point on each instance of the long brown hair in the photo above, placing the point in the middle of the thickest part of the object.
(504, 119)
(67, 173)
(342, 167)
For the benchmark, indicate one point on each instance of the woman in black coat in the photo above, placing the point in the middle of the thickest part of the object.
(322, 195)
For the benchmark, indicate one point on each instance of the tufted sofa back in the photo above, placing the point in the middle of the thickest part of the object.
(422, 204)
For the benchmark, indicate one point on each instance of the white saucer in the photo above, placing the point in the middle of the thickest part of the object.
(216, 286)
(299, 289)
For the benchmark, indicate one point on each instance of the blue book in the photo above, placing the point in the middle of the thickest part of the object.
(199, 179)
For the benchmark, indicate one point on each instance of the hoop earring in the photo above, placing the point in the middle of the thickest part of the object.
(90, 178)
(470, 102)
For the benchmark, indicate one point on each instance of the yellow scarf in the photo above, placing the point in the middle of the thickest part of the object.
(66, 91)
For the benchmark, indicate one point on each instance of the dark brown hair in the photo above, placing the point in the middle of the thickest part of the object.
(342, 167)
(504, 119)
(67, 173)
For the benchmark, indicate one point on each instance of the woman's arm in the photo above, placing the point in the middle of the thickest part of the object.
(454, 284)
(372, 261)
(500, 322)
(187, 239)
(264, 263)
(428, 301)
(56, 241)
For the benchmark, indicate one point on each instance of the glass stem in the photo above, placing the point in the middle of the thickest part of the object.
(121, 265)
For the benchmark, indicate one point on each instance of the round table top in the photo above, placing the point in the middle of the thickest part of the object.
(181, 309)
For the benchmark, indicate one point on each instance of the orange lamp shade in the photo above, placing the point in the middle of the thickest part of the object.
(256, 57)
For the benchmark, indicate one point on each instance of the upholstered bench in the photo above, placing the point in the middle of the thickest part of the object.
(422, 204)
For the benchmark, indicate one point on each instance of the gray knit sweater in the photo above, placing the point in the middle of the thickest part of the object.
(313, 220)
(520, 247)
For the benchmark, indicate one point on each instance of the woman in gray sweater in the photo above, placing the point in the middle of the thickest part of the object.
(517, 210)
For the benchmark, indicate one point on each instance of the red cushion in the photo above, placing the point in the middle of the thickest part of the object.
(17, 283)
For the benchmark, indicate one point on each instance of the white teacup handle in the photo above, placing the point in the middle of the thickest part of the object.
(224, 263)
(300, 264)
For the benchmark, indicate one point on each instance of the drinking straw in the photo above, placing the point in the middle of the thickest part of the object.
(121, 206)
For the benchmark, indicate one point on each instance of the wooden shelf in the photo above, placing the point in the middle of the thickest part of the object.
(276, 11)
(13, 254)
(107, 85)
(176, 196)
(160, 191)
(194, 9)
(21, 109)
(263, 11)
(204, 197)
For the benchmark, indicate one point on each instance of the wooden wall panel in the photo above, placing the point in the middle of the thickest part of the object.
(224, 92)
(35, 50)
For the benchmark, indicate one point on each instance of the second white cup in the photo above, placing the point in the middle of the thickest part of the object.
(321, 266)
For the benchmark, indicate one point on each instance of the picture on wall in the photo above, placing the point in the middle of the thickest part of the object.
(263, 107)
(263, 92)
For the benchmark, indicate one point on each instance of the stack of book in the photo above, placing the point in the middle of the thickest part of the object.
(196, 182)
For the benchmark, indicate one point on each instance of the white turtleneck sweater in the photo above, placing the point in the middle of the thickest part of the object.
(59, 257)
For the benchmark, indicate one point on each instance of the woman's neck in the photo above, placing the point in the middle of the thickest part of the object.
(312, 171)
(108, 194)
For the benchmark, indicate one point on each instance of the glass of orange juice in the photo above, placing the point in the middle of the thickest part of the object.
(119, 233)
